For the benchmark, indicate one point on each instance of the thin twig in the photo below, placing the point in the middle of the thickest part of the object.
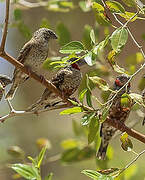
(15, 113)
(135, 159)
(5, 27)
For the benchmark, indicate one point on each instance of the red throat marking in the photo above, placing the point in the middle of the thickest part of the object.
(75, 66)
(117, 82)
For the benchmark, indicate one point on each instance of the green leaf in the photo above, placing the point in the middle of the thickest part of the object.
(17, 14)
(71, 110)
(88, 98)
(72, 47)
(86, 37)
(98, 7)
(125, 100)
(104, 114)
(115, 7)
(92, 174)
(86, 119)
(101, 18)
(99, 48)
(101, 83)
(69, 144)
(119, 69)
(119, 38)
(93, 128)
(51, 63)
(84, 7)
(96, 175)
(88, 58)
(126, 142)
(45, 23)
(92, 36)
(63, 34)
(49, 177)
(82, 94)
(127, 15)
(41, 156)
(137, 98)
(26, 171)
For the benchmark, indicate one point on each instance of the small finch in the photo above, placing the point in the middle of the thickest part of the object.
(4, 81)
(67, 80)
(32, 55)
(116, 112)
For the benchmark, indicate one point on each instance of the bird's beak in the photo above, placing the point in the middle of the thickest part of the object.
(54, 36)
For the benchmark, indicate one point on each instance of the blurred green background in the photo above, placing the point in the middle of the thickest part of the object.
(24, 131)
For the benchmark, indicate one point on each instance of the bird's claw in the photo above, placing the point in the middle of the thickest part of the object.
(42, 78)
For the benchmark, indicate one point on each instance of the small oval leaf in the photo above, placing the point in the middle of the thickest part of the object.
(72, 47)
(119, 38)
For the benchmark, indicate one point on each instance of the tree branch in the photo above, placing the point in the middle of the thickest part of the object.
(51, 87)
(5, 27)
(33, 75)
(131, 132)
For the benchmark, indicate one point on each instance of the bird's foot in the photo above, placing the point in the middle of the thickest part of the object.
(120, 125)
(28, 68)
(42, 78)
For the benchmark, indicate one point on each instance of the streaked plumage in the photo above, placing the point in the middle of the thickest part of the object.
(67, 80)
(4, 81)
(116, 113)
(32, 55)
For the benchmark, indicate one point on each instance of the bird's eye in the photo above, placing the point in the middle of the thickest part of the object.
(117, 82)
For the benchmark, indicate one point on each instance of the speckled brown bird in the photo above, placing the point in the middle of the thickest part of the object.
(116, 112)
(67, 80)
(4, 81)
(32, 55)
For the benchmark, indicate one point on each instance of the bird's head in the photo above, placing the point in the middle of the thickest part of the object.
(120, 82)
(45, 34)
(5, 80)
(75, 64)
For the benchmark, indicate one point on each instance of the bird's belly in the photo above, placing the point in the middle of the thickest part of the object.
(35, 62)
(70, 85)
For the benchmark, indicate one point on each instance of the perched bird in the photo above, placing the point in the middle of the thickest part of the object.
(116, 112)
(4, 81)
(67, 80)
(32, 55)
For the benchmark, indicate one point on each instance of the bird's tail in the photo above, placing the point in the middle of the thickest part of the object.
(36, 106)
(102, 151)
(12, 91)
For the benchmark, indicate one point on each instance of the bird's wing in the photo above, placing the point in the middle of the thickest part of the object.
(59, 78)
(5, 79)
(24, 52)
